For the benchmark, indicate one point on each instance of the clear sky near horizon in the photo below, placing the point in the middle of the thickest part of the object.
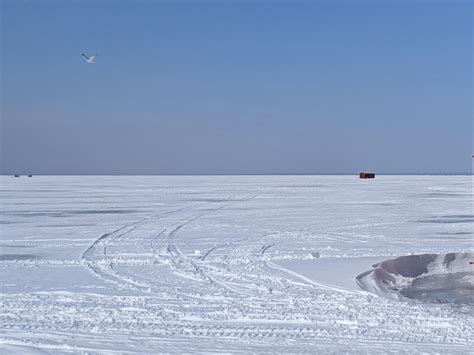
(236, 87)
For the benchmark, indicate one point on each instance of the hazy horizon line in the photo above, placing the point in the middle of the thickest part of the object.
(253, 174)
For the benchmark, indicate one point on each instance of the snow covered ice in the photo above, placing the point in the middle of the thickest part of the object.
(228, 263)
(435, 277)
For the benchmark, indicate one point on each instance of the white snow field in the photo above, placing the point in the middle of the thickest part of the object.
(229, 264)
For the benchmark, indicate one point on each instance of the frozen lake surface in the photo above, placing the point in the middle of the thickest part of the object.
(228, 263)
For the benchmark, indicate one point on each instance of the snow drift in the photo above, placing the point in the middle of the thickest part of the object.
(435, 277)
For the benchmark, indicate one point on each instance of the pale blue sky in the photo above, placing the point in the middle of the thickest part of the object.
(236, 87)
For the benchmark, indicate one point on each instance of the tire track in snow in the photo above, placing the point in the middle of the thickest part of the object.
(182, 262)
(103, 268)
(220, 246)
(203, 270)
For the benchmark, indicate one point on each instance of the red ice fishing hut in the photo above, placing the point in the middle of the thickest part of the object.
(365, 175)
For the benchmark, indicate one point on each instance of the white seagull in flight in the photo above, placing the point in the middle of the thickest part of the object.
(89, 60)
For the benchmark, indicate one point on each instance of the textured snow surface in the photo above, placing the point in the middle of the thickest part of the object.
(437, 277)
(225, 263)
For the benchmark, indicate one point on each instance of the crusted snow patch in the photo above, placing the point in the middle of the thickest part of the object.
(435, 277)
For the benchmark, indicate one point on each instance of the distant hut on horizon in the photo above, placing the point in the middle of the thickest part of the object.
(366, 175)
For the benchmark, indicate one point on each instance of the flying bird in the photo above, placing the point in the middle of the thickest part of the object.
(89, 60)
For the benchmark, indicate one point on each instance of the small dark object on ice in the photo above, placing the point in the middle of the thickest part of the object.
(364, 175)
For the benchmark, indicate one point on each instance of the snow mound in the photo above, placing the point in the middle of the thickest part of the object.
(431, 277)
